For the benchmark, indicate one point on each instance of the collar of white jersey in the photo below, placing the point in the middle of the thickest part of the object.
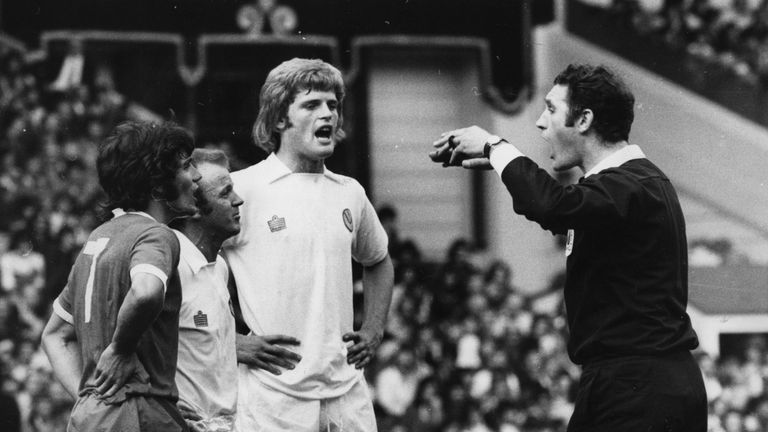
(276, 169)
(617, 159)
(120, 212)
(190, 254)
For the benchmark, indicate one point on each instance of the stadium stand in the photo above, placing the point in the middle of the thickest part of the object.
(49, 196)
(465, 349)
(718, 49)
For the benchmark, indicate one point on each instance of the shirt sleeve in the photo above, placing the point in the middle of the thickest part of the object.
(502, 155)
(62, 305)
(371, 242)
(156, 252)
(601, 201)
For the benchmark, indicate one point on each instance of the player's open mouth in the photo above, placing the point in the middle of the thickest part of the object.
(323, 133)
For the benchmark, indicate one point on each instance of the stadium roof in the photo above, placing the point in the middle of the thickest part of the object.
(729, 289)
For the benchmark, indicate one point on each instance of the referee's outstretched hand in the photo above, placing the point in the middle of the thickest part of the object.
(364, 345)
(461, 147)
(265, 352)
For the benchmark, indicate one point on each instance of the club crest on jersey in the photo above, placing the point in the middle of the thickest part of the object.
(276, 223)
(569, 243)
(201, 319)
(346, 216)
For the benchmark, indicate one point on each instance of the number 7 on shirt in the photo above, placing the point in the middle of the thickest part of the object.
(94, 249)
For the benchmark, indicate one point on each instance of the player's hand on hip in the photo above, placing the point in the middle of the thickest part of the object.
(113, 370)
(265, 352)
(364, 345)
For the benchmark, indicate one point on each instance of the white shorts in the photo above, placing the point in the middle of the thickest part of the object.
(260, 408)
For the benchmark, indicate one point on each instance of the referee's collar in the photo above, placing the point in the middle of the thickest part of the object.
(617, 158)
(276, 169)
(117, 212)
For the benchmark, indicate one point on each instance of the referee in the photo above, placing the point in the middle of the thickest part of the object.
(626, 286)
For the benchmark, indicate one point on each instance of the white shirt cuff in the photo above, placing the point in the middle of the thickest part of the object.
(150, 269)
(502, 155)
(59, 310)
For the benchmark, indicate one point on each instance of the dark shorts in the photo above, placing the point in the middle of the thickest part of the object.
(135, 414)
(648, 394)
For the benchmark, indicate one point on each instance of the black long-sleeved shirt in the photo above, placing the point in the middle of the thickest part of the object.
(626, 286)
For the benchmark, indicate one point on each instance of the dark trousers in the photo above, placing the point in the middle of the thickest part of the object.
(639, 393)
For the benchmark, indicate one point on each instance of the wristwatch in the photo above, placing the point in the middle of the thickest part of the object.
(492, 141)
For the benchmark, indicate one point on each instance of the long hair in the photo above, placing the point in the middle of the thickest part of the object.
(138, 163)
(280, 89)
(599, 89)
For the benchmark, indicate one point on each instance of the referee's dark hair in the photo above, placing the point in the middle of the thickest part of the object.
(599, 89)
(138, 163)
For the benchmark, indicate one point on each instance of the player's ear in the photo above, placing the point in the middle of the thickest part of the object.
(584, 120)
(280, 126)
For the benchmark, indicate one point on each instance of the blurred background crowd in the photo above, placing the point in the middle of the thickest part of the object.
(49, 197)
(731, 33)
(465, 350)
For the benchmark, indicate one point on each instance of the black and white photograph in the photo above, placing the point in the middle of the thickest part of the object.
(384, 216)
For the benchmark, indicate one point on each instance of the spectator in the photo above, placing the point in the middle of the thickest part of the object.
(22, 267)
(396, 385)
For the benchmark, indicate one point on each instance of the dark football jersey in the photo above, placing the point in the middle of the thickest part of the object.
(97, 286)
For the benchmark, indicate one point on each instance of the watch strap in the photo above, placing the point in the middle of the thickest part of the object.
(492, 141)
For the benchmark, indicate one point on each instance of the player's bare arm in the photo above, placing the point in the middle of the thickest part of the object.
(60, 344)
(378, 281)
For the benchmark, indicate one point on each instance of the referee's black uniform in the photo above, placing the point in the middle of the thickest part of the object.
(626, 293)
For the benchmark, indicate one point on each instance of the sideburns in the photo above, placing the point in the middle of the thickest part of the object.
(570, 118)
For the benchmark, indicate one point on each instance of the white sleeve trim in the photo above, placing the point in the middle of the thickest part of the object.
(149, 268)
(59, 310)
(502, 155)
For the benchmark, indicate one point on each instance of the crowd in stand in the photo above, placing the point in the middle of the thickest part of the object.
(732, 33)
(49, 199)
(465, 350)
